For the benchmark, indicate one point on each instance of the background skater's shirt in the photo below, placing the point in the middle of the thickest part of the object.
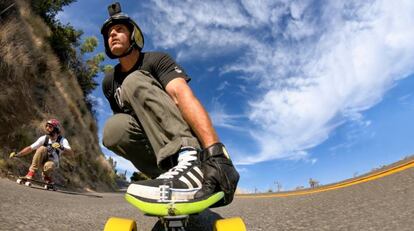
(54, 154)
(160, 65)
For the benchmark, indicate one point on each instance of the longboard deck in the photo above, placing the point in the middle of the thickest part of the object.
(174, 215)
(173, 208)
(24, 180)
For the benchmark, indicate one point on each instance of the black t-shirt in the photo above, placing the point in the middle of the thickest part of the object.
(160, 65)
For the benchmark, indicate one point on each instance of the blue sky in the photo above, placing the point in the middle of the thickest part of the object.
(295, 89)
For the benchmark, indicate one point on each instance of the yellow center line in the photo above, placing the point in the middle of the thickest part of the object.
(370, 177)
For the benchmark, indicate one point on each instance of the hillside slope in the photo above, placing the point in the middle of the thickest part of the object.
(34, 87)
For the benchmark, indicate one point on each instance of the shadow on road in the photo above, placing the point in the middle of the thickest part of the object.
(68, 192)
(80, 194)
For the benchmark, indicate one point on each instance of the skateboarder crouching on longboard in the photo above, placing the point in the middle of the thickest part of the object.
(158, 123)
(48, 148)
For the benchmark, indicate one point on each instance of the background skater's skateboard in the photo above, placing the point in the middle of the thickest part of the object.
(174, 215)
(29, 182)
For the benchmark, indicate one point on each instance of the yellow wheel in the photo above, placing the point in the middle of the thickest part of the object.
(120, 224)
(230, 224)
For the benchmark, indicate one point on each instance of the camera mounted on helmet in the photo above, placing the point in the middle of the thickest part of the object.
(116, 16)
(114, 8)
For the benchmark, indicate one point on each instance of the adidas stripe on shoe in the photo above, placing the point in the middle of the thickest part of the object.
(179, 184)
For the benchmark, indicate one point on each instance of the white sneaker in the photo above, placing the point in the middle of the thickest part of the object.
(179, 184)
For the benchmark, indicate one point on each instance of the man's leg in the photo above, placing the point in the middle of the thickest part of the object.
(39, 157)
(170, 137)
(48, 168)
(160, 118)
(123, 135)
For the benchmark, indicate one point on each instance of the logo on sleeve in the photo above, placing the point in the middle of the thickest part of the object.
(178, 70)
(117, 97)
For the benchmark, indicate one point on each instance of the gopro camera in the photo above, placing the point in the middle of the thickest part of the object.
(114, 8)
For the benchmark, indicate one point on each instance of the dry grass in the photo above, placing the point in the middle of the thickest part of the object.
(34, 88)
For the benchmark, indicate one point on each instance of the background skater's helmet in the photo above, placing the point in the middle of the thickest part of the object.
(117, 17)
(55, 124)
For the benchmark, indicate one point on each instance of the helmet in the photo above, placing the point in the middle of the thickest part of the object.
(55, 124)
(117, 17)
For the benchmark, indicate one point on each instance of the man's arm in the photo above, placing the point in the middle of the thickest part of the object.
(29, 148)
(216, 165)
(66, 149)
(23, 152)
(192, 111)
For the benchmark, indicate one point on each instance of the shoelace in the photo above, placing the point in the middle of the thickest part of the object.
(184, 161)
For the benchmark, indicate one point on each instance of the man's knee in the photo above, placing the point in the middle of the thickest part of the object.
(41, 155)
(116, 130)
(48, 167)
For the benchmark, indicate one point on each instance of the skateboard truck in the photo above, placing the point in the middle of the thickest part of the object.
(174, 216)
(174, 222)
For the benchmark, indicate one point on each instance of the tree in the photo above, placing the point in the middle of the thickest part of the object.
(48, 9)
(122, 176)
(107, 68)
(89, 45)
(112, 163)
(313, 183)
(65, 40)
(87, 72)
(138, 176)
(278, 186)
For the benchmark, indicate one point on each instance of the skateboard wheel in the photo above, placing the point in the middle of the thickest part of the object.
(46, 187)
(19, 181)
(28, 184)
(120, 224)
(230, 224)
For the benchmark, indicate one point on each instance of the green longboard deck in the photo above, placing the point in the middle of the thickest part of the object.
(174, 209)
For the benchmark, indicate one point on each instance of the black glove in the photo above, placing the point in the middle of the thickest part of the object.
(219, 174)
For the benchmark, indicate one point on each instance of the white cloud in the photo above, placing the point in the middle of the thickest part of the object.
(212, 26)
(223, 86)
(316, 65)
(221, 118)
(406, 100)
(348, 70)
(100, 105)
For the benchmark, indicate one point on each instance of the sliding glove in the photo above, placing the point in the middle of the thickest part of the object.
(13, 155)
(219, 174)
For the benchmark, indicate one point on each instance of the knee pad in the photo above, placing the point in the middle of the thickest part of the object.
(48, 167)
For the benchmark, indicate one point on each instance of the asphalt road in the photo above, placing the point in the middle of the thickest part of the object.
(383, 204)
